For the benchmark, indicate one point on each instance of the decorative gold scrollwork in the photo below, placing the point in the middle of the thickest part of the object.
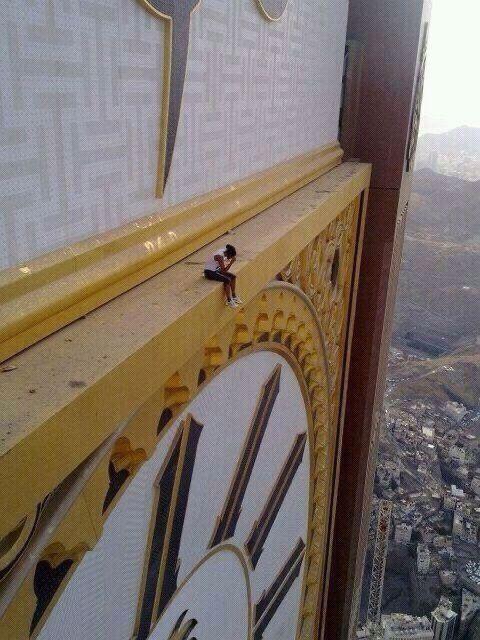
(123, 463)
(15, 543)
(305, 317)
(50, 572)
(322, 271)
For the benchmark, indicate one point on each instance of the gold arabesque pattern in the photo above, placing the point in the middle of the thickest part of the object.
(327, 285)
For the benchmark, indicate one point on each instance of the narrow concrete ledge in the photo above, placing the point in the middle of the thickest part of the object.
(63, 396)
(50, 292)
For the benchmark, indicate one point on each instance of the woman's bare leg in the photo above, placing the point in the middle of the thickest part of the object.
(233, 282)
(228, 290)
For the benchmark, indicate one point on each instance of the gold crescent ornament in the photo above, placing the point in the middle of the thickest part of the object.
(272, 9)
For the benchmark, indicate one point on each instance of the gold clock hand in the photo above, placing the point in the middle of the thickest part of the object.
(173, 483)
(272, 9)
(273, 597)
(177, 13)
(262, 526)
(181, 630)
(227, 521)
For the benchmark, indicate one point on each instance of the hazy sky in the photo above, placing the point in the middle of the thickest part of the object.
(452, 80)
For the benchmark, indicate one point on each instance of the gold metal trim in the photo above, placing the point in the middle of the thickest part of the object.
(213, 552)
(316, 501)
(45, 294)
(286, 314)
(166, 91)
(138, 365)
(265, 13)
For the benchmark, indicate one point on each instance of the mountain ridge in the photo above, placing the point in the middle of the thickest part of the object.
(455, 152)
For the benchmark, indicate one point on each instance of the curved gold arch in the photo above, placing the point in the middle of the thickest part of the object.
(213, 552)
(14, 545)
(280, 318)
(298, 336)
(303, 345)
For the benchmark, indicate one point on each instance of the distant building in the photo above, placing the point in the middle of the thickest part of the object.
(447, 553)
(465, 528)
(449, 502)
(394, 469)
(384, 478)
(429, 433)
(444, 620)
(429, 449)
(441, 542)
(455, 411)
(457, 454)
(470, 605)
(463, 472)
(475, 486)
(456, 492)
(399, 430)
(473, 571)
(470, 531)
(398, 626)
(423, 558)
(448, 578)
(403, 533)
(457, 527)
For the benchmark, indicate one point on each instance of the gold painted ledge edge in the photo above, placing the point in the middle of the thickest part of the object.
(142, 354)
(49, 292)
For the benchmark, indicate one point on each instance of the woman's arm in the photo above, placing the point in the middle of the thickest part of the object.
(219, 258)
(225, 263)
(228, 263)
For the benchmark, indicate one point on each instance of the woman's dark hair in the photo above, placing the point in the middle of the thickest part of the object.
(230, 251)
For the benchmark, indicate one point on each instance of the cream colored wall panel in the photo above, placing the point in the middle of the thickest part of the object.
(80, 104)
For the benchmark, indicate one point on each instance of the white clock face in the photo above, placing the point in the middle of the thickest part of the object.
(208, 540)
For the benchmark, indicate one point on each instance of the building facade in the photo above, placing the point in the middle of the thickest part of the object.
(403, 533)
(470, 608)
(398, 626)
(444, 620)
(423, 558)
(172, 468)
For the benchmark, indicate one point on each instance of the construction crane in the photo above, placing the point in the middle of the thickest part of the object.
(384, 516)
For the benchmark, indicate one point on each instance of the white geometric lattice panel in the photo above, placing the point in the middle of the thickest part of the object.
(80, 108)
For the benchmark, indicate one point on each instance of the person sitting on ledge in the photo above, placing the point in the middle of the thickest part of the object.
(217, 268)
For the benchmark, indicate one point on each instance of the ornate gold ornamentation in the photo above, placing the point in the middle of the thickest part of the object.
(14, 544)
(124, 462)
(323, 271)
(282, 318)
(51, 571)
(304, 318)
(176, 14)
(49, 292)
(272, 9)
